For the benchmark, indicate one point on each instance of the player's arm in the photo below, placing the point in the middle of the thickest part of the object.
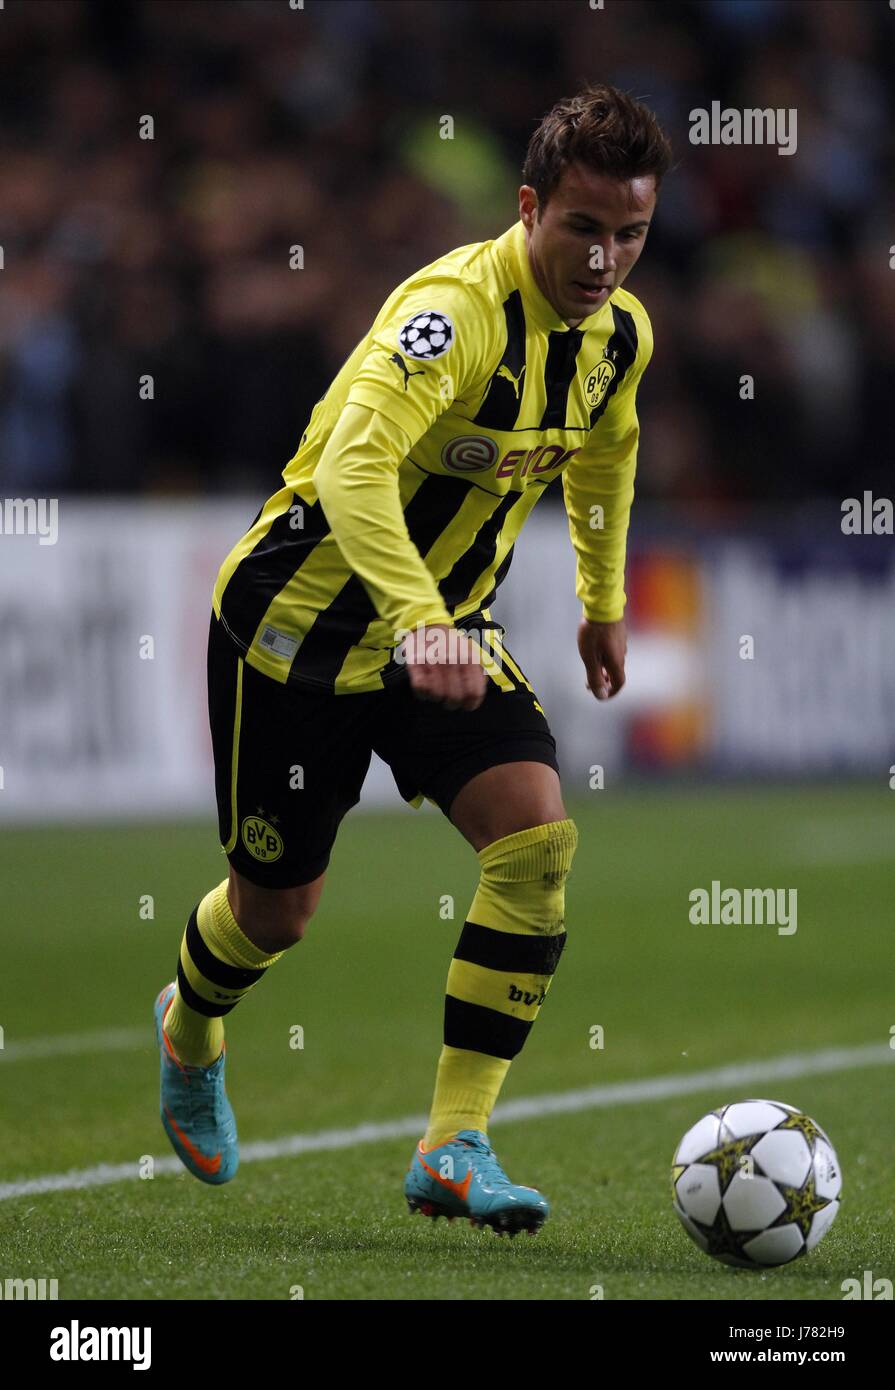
(598, 487)
(390, 405)
(357, 483)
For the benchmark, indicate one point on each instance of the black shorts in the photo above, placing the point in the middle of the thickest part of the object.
(290, 761)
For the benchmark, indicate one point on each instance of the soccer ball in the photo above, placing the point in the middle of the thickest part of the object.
(756, 1183)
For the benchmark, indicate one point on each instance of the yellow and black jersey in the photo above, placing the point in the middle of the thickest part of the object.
(421, 463)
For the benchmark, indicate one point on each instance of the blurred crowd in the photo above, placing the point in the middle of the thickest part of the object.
(159, 331)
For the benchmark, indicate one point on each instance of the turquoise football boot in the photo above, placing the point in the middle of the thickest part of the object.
(463, 1178)
(197, 1116)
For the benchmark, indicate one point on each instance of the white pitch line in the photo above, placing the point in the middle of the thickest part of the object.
(73, 1044)
(795, 1064)
(834, 856)
(855, 840)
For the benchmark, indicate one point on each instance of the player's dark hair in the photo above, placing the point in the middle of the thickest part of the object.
(602, 128)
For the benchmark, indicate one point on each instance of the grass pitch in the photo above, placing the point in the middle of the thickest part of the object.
(366, 987)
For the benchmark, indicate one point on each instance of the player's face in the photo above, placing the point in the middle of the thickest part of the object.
(587, 239)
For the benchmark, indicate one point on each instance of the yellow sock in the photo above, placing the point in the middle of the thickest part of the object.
(467, 1085)
(217, 966)
(501, 971)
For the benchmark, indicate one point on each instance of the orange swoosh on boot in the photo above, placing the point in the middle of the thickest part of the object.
(208, 1165)
(459, 1189)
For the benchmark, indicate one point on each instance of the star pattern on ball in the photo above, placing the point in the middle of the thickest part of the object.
(722, 1238)
(726, 1158)
(805, 1125)
(768, 1221)
(802, 1204)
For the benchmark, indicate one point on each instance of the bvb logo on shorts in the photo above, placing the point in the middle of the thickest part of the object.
(261, 840)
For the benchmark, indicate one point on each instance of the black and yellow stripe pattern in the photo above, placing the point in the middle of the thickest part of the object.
(497, 982)
(518, 400)
(501, 971)
(217, 967)
(497, 663)
(208, 984)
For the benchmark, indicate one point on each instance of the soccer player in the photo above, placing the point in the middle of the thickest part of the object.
(354, 615)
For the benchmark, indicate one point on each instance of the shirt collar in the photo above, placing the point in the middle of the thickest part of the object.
(512, 249)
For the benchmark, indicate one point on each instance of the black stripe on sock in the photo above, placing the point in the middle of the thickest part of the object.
(196, 1002)
(216, 971)
(505, 950)
(479, 1029)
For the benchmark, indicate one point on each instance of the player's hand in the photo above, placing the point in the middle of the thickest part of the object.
(602, 647)
(448, 670)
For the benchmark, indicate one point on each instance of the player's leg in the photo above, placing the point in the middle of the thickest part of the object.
(502, 968)
(288, 765)
(242, 925)
(235, 933)
(493, 771)
(506, 798)
(513, 816)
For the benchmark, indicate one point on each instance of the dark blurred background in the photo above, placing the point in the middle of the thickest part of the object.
(276, 127)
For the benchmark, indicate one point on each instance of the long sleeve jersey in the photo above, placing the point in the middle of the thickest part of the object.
(421, 463)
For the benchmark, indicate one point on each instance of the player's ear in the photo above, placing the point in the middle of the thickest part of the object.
(528, 206)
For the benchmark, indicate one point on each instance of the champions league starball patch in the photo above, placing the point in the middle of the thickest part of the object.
(428, 334)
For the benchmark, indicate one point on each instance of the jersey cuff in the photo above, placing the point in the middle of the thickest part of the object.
(429, 620)
(605, 615)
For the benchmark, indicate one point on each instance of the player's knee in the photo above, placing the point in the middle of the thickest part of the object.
(539, 852)
(274, 919)
(291, 924)
(522, 888)
(277, 931)
(540, 856)
(562, 849)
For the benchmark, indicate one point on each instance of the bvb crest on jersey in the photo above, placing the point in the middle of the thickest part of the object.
(597, 381)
